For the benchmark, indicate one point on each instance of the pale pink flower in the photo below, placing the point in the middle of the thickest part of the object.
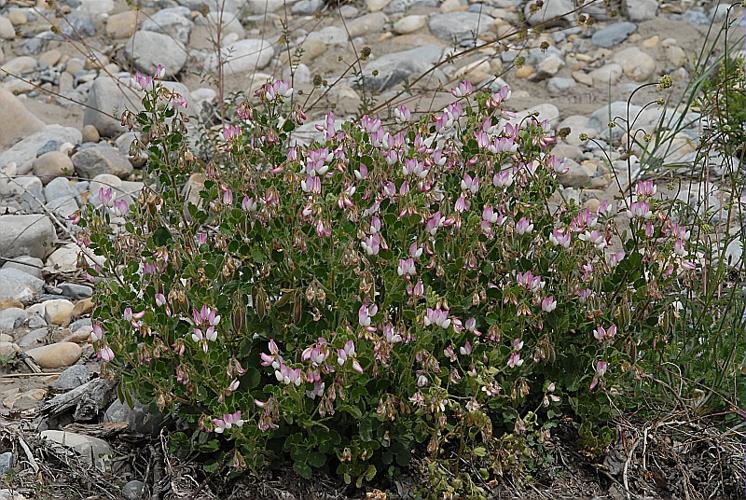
(105, 354)
(548, 304)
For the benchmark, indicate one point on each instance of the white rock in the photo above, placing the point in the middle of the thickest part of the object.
(409, 24)
(92, 449)
(635, 63)
(244, 56)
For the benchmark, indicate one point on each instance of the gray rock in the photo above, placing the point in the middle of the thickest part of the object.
(613, 34)
(27, 264)
(101, 159)
(81, 323)
(6, 462)
(148, 49)
(72, 377)
(24, 193)
(397, 67)
(11, 318)
(367, 24)
(616, 112)
(244, 56)
(138, 419)
(51, 165)
(551, 13)
(16, 122)
(460, 27)
(60, 189)
(78, 24)
(32, 235)
(559, 85)
(75, 291)
(34, 338)
(18, 286)
(307, 7)
(94, 450)
(397, 6)
(640, 10)
(173, 22)
(24, 152)
(696, 17)
(112, 98)
(133, 490)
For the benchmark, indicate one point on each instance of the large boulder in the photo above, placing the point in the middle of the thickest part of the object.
(102, 159)
(107, 100)
(390, 69)
(16, 122)
(148, 49)
(32, 235)
(244, 56)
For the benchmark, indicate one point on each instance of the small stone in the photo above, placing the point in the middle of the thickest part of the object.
(75, 291)
(409, 24)
(7, 32)
(148, 49)
(27, 264)
(575, 174)
(549, 67)
(613, 34)
(102, 159)
(244, 56)
(583, 77)
(86, 446)
(675, 55)
(367, 24)
(640, 10)
(64, 259)
(549, 12)
(90, 134)
(59, 355)
(635, 63)
(606, 75)
(50, 58)
(122, 25)
(11, 318)
(176, 23)
(651, 42)
(6, 462)
(558, 85)
(17, 17)
(460, 27)
(16, 121)
(58, 312)
(8, 349)
(83, 306)
(133, 490)
(51, 165)
(376, 5)
(34, 338)
(72, 377)
(139, 418)
(17, 286)
(524, 71)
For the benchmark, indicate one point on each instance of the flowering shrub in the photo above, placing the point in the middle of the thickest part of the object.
(390, 289)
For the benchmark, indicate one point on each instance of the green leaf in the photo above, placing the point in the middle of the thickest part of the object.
(479, 451)
(303, 469)
(161, 236)
(317, 459)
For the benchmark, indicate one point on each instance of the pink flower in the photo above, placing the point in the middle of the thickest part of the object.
(596, 238)
(524, 226)
(645, 188)
(143, 81)
(273, 359)
(105, 196)
(230, 132)
(418, 290)
(462, 204)
(402, 114)
(317, 353)
(639, 209)
(503, 179)
(288, 375)
(366, 313)
(121, 207)
(450, 353)
(201, 238)
(227, 195)
(248, 204)
(601, 333)
(406, 267)
(600, 368)
(438, 317)
(558, 237)
(463, 89)
(469, 183)
(160, 299)
(465, 349)
(548, 304)
(514, 359)
(97, 332)
(228, 421)
(615, 258)
(105, 354)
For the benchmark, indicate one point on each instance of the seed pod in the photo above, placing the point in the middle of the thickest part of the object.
(259, 299)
